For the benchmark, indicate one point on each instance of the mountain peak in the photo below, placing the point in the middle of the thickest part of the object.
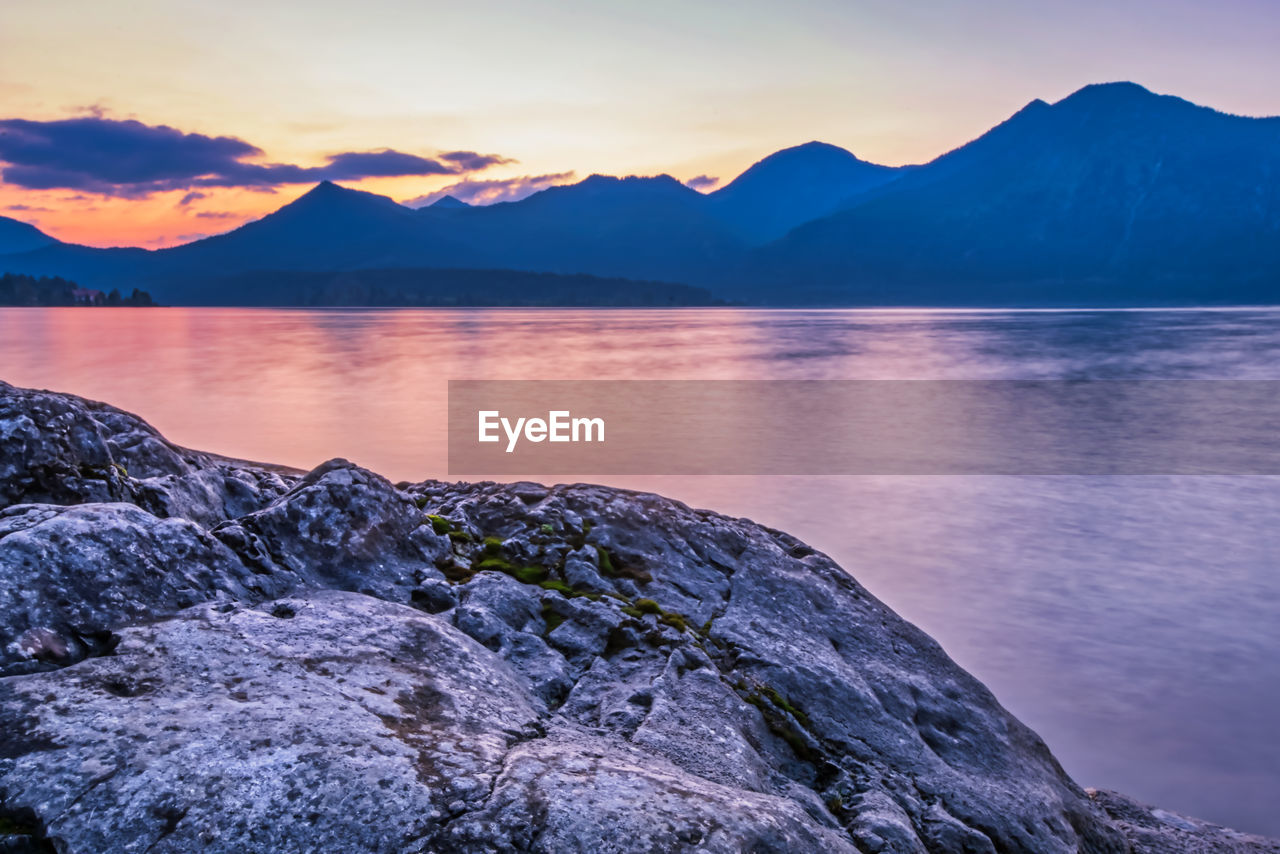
(325, 189)
(1116, 90)
(18, 236)
(1117, 96)
(448, 202)
(793, 186)
(327, 194)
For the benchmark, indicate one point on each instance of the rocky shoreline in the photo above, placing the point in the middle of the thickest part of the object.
(198, 654)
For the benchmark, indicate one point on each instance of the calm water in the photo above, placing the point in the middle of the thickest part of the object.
(1133, 621)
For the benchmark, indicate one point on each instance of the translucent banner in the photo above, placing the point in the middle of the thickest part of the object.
(881, 427)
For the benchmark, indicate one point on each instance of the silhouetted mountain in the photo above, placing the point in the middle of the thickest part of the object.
(328, 228)
(446, 202)
(1113, 194)
(637, 228)
(794, 186)
(18, 236)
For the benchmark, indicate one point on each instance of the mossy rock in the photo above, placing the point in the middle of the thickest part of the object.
(529, 574)
(648, 606)
(612, 567)
(675, 621)
(550, 617)
(439, 524)
(455, 573)
(558, 586)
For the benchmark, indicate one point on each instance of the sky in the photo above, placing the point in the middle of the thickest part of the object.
(153, 122)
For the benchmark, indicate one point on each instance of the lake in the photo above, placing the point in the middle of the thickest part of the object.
(1132, 621)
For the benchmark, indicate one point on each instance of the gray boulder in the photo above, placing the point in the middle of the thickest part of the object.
(59, 449)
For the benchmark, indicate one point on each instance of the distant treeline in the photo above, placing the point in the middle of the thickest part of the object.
(54, 290)
(438, 288)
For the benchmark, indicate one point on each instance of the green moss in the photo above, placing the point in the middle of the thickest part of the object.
(460, 537)
(648, 606)
(495, 564)
(530, 574)
(705, 631)
(421, 501)
(120, 469)
(632, 612)
(675, 621)
(612, 567)
(493, 545)
(835, 804)
(455, 573)
(439, 524)
(550, 617)
(547, 528)
(772, 705)
(558, 586)
(782, 703)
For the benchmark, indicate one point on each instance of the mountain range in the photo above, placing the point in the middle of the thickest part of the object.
(1113, 195)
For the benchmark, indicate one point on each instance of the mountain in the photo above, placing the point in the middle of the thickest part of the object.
(638, 228)
(792, 187)
(448, 202)
(1113, 194)
(18, 236)
(327, 228)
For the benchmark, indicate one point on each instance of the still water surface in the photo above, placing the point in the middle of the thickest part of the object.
(1133, 621)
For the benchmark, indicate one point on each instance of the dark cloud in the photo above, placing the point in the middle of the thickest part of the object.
(219, 215)
(470, 161)
(193, 196)
(488, 192)
(27, 209)
(127, 158)
(702, 182)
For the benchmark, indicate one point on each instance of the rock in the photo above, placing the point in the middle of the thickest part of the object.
(58, 449)
(205, 655)
(342, 724)
(69, 575)
(1155, 831)
(345, 528)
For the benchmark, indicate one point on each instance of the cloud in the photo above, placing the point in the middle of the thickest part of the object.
(220, 215)
(702, 182)
(127, 158)
(193, 196)
(488, 192)
(28, 209)
(470, 161)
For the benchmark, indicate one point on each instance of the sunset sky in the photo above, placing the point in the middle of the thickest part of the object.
(236, 107)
